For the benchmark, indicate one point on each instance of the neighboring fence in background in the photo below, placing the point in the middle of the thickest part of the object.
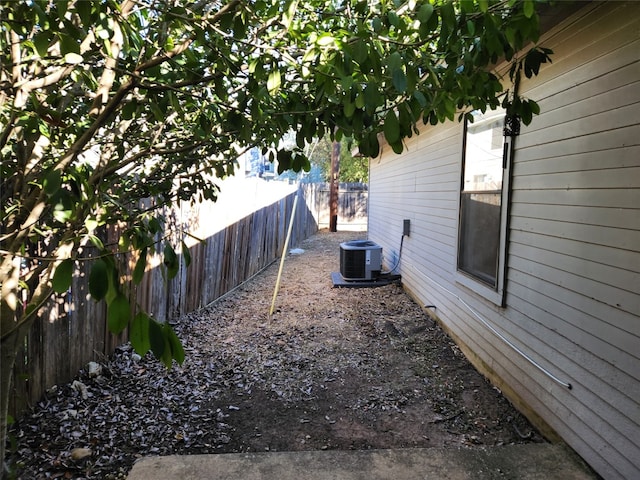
(353, 201)
(72, 330)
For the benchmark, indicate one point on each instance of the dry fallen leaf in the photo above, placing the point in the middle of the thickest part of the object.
(78, 454)
(337, 369)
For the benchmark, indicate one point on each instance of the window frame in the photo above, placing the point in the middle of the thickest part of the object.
(495, 294)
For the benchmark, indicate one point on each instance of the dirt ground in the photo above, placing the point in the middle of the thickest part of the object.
(332, 368)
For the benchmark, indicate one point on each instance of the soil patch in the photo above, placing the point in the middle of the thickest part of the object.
(333, 368)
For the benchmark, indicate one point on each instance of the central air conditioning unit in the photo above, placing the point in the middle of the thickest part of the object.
(360, 260)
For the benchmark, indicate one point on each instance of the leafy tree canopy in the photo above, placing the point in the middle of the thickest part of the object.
(353, 169)
(106, 103)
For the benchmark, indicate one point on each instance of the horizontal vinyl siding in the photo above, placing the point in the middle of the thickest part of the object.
(615, 257)
(574, 257)
(573, 260)
(398, 191)
(595, 282)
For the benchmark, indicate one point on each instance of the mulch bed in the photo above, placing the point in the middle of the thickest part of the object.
(332, 368)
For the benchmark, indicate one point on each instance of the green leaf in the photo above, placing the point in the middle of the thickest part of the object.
(141, 265)
(399, 80)
(510, 33)
(177, 352)
(528, 8)
(91, 224)
(448, 107)
(466, 6)
(394, 61)
(98, 279)
(62, 6)
(288, 16)
(154, 225)
(372, 96)
(471, 27)
(419, 96)
(118, 313)
(68, 44)
(273, 82)
(84, 11)
(369, 145)
(448, 14)
(129, 109)
(425, 12)
(96, 242)
(41, 42)
(360, 51)
(535, 108)
(62, 276)
(391, 127)
(393, 18)
(284, 160)
(169, 44)
(376, 24)
(123, 243)
(526, 109)
(325, 40)
(114, 280)
(52, 182)
(62, 210)
(158, 114)
(171, 261)
(397, 147)
(349, 109)
(139, 333)
(156, 338)
(43, 128)
(405, 118)
(534, 58)
(167, 354)
(186, 254)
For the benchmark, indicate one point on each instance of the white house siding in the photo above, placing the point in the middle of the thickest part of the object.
(573, 278)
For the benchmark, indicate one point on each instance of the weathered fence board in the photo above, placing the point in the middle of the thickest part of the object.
(352, 204)
(72, 329)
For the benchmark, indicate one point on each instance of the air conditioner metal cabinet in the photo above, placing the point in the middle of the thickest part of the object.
(360, 260)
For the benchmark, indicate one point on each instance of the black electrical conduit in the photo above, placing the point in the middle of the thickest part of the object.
(398, 261)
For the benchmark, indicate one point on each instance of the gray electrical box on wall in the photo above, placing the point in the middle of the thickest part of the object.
(406, 227)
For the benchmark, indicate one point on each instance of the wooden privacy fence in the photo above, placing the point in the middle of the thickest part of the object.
(71, 329)
(352, 204)
(226, 259)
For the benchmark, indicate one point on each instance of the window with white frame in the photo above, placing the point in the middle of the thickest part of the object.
(482, 221)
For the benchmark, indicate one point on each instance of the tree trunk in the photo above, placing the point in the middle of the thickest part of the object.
(9, 347)
(13, 331)
(333, 187)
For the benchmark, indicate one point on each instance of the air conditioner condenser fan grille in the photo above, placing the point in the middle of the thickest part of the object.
(352, 263)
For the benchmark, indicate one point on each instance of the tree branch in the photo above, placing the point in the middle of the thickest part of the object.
(109, 74)
(149, 152)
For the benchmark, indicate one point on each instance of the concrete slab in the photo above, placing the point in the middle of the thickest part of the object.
(535, 461)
